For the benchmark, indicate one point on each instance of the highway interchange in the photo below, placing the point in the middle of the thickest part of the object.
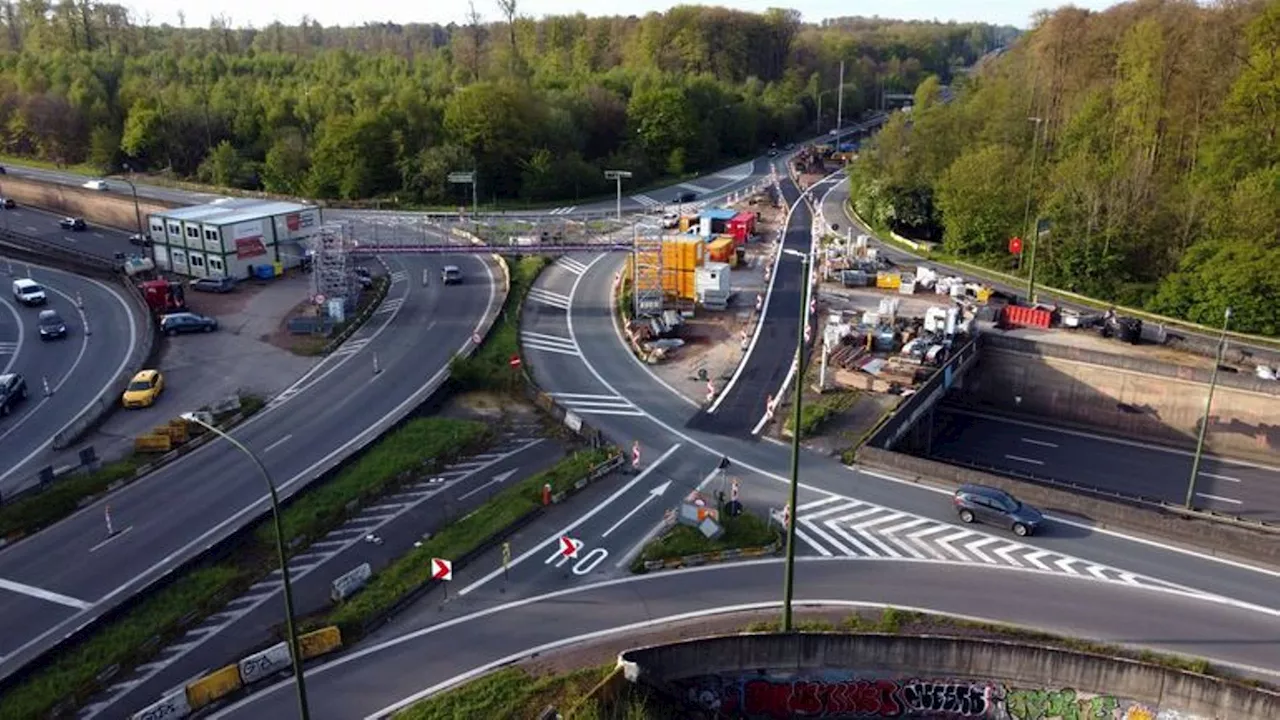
(850, 521)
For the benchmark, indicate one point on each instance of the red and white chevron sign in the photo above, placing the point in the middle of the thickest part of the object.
(569, 547)
(441, 569)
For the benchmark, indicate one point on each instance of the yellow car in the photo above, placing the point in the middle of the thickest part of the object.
(143, 389)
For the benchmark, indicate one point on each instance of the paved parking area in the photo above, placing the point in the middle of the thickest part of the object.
(201, 369)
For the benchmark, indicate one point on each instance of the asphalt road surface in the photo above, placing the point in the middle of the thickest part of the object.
(70, 573)
(102, 333)
(1022, 448)
(471, 635)
(41, 225)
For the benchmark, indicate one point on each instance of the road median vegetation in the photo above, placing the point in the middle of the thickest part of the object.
(76, 672)
(489, 368)
(686, 545)
(405, 577)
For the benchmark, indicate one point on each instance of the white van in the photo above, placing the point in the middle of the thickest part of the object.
(28, 292)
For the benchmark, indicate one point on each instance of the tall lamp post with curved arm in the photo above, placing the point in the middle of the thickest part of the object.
(290, 627)
(137, 211)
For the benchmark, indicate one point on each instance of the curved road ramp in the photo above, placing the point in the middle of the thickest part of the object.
(825, 675)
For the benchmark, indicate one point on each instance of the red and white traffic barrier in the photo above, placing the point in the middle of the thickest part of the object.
(759, 302)
(733, 490)
(635, 455)
(711, 391)
(786, 515)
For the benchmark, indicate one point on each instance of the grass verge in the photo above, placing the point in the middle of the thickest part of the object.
(137, 634)
(489, 368)
(814, 413)
(508, 693)
(742, 531)
(64, 496)
(455, 541)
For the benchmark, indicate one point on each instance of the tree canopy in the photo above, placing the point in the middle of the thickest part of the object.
(538, 108)
(1153, 131)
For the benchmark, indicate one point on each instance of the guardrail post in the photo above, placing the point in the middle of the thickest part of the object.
(79, 301)
(376, 369)
(45, 381)
(87, 331)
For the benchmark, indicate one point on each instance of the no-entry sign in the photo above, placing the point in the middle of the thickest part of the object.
(514, 361)
(441, 569)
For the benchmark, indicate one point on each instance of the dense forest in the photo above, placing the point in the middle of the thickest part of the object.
(539, 108)
(1154, 131)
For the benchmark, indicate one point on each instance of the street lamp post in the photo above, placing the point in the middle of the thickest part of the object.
(1026, 213)
(290, 627)
(137, 212)
(1208, 407)
(618, 176)
(788, 586)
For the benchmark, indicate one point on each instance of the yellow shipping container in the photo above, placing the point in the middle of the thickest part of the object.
(215, 685)
(671, 281)
(720, 250)
(697, 255)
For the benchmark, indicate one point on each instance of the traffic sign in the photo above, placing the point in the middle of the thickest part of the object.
(319, 299)
(441, 569)
(514, 361)
(569, 547)
(475, 338)
(1015, 246)
(461, 177)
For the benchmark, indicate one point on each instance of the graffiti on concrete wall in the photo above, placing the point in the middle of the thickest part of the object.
(772, 697)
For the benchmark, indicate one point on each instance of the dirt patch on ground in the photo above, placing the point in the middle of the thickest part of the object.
(282, 338)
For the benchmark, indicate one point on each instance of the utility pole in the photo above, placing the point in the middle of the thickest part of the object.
(1208, 407)
(617, 176)
(1026, 213)
(788, 587)
(840, 102)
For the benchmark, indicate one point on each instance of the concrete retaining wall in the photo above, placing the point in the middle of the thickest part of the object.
(1211, 536)
(96, 207)
(1136, 397)
(873, 675)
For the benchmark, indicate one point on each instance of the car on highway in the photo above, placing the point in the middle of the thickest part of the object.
(13, 390)
(51, 325)
(143, 389)
(72, 223)
(139, 239)
(28, 292)
(451, 275)
(186, 322)
(993, 506)
(8, 203)
(96, 185)
(214, 285)
(686, 197)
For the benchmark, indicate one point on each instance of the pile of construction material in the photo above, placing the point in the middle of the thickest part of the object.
(880, 352)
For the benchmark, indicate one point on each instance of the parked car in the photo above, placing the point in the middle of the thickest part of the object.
(96, 185)
(51, 325)
(214, 285)
(72, 223)
(13, 390)
(670, 220)
(8, 203)
(140, 239)
(186, 322)
(28, 292)
(981, 503)
(451, 275)
(143, 389)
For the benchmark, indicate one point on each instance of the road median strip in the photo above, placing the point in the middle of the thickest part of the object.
(745, 536)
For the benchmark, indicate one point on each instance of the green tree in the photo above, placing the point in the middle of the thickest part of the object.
(224, 167)
(981, 201)
(287, 163)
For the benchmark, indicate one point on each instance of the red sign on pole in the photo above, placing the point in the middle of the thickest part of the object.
(569, 546)
(514, 361)
(441, 569)
(1015, 246)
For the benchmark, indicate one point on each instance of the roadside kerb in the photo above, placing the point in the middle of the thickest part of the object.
(218, 538)
(1212, 534)
(711, 558)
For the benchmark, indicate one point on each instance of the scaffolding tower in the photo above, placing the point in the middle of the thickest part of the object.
(331, 275)
(646, 270)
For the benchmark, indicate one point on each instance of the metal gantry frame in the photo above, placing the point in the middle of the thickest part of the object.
(647, 294)
(330, 269)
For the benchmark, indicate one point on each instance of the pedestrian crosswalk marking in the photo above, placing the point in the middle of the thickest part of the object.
(645, 200)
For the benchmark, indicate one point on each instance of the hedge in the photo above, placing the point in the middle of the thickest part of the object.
(489, 367)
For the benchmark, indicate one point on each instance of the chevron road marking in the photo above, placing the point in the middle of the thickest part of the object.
(567, 263)
(563, 210)
(645, 200)
(548, 343)
(585, 404)
(8, 348)
(546, 297)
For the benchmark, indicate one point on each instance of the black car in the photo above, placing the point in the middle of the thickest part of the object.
(187, 322)
(70, 223)
(139, 239)
(981, 503)
(8, 203)
(51, 325)
(451, 275)
(13, 390)
(214, 285)
(687, 196)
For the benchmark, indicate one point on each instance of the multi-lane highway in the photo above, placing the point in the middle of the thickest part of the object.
(64, 376)
(44, 226)
(479, 634)
(1019, 447)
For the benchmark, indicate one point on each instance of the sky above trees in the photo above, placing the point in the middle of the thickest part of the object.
(343, 12)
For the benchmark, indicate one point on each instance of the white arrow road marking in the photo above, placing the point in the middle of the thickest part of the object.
(652, 494)
(945, 543)
(973, 548)
(497, 480)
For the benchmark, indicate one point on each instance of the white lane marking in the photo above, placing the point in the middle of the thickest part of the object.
(1024, 459)
(17, 344)
(614, 582)
(496, 480)
(1111, 439)
(1041, 443)
(548, 297)
(111, 538)
(1168, 547)
(1219, 498)
(555, 537)
(42, 594)
(1220, 477)
(277, 443)
(372, 430)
